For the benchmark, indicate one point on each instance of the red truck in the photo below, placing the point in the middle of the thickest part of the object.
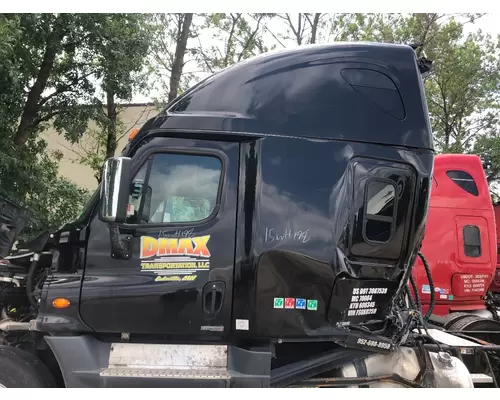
(460, 243)
(495, 284)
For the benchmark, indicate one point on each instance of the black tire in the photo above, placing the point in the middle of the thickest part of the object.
(20, 369)
(476, 323)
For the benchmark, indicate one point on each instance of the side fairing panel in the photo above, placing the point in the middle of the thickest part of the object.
(315, 212)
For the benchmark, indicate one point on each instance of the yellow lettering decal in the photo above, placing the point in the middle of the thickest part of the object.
(168, 278)
(186, 247)
(167, 246)
(196, 246)
(201, 245)
(175, 265)
(149, 247)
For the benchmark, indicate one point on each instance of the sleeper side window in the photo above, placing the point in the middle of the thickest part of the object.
(464, 180)
(472, 241)
(380, 211)
(175, 188)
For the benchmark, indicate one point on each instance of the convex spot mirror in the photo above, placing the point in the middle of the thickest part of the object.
(115, 189)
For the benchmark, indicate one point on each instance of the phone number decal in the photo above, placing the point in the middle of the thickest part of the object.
(374, 344)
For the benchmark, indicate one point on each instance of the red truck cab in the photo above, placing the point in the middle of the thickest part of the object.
(460, 242)
(495, 284)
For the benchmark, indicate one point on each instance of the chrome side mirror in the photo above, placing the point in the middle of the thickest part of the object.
(115, 189)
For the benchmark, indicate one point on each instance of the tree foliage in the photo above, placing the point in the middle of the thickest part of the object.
(304, 28)
(54, 65)
(31, 179)
(51, 69)
(92, 149)
(121, 47)
(173, 39)
(235, 37)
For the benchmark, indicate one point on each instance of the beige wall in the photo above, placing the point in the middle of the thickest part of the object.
(132, 116)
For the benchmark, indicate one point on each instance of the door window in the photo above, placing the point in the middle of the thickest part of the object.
(179, 188)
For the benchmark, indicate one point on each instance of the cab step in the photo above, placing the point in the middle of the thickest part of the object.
(166, 373)
(165, 365)
(481, 378)
(167, 356)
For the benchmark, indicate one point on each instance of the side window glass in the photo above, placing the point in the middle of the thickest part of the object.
(472, 241)
(135, 197)
(181, 188)
(380, 211)
(464, 180)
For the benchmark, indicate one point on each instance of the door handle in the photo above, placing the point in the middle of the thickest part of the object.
(213, 298)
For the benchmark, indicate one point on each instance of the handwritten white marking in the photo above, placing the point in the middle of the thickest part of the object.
(186, 233)
(272, 235)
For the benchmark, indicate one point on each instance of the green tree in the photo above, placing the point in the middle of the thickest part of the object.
(53, 69)
(92, 149)
(60, 57)
(487, 146)
(10, 83)
(121, 47)
(463, 90)
(49, 66)
(171, 47)
(31, 179)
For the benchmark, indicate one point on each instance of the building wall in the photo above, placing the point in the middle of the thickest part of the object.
(132, 116)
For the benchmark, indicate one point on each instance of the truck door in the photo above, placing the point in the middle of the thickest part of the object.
(181, 234)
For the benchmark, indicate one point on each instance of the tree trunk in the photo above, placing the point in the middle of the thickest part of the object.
(31, 106)
(112, 116)
(297, 32)
(229, 44)
(180, 51)
(314, 27)
(429, 21)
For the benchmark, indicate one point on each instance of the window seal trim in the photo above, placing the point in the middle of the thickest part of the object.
(366, 216)
(150, 153)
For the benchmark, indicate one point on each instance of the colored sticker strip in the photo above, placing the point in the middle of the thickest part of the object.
(278, 302)
(289, 302)
(300, 304)
(312, 305)
(296, 303)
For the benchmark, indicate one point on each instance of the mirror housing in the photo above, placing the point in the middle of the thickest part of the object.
(115, 189)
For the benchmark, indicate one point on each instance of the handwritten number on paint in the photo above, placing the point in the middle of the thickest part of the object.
(272, 236)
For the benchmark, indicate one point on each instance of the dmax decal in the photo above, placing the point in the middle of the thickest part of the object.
(195, 246)
(170, 258)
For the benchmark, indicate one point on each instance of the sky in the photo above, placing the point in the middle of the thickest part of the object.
(490, 23)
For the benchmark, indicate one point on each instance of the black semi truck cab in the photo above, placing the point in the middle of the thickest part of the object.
(258, 232)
